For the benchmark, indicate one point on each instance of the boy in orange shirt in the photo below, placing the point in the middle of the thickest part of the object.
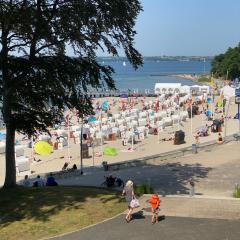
(155, 203)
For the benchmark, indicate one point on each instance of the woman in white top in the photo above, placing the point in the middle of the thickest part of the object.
(128, 191)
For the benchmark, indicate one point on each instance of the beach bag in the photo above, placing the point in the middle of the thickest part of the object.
(134, 203)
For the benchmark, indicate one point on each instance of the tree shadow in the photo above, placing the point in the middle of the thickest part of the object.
(167, 179)
(41, 203)
(138, 215)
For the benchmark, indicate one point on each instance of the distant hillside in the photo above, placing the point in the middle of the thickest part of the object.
(160, 58)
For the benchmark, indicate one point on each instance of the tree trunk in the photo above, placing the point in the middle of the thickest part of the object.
(10, 176)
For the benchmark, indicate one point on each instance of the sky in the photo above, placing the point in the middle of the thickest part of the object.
(187, 27)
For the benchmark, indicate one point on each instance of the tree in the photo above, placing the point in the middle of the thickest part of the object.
(227, 64)
(37, 77)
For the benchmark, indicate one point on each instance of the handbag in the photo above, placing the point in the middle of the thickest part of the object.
(134, 203)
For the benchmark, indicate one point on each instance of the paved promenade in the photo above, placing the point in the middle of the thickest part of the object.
(171, 228)
(212, 214)
(181, 218)
(215, 173)
(195, 207)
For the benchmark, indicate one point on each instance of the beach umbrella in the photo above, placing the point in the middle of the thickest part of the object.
(42, 148)
(110, 151)
(92, 119)
(105, 105)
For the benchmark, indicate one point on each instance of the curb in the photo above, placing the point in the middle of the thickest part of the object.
(195, 197)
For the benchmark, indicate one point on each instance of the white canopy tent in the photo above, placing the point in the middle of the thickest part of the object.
(166, 88)
(228, 91)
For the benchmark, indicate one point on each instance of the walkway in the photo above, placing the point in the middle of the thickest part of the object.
(215, 173)
(182, 218)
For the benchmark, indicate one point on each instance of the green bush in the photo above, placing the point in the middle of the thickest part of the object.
(204, 79)
(143, 189)
(236, 193)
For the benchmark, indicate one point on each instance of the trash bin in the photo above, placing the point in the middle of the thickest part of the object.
(105, 165)
(179, 137)
(194, 148)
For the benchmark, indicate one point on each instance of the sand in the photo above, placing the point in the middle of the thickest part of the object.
(146, 147)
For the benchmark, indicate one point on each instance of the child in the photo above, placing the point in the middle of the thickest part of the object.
(155, 203)
(220, 139)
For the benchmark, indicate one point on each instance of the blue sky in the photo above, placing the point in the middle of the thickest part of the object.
(187, 27)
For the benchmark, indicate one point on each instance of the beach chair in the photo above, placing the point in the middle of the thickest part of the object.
(167, 121)
(116, 116)
(75, 128)
(142, 122)
(175, 119)
(120, 122)
(142, 115)
(184, 115)
(61, 133)
(163, 114)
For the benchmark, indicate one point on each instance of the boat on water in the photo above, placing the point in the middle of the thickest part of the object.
(124, 64)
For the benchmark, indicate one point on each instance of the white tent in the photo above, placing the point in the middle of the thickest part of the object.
(205, 89)
(161, 88)
(185, 89)
(228, 91)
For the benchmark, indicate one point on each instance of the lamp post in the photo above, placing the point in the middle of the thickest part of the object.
(81, 150)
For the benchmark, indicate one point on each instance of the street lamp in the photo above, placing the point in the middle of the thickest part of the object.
(81, 148)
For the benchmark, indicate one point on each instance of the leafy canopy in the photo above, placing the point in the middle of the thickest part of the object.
(37, 77)
(227, 64)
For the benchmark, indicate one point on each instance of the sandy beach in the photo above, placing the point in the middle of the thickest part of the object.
(150, 145)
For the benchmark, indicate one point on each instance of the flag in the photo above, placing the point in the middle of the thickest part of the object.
(212, 83)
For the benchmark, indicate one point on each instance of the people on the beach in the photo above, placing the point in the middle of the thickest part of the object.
(39, 182)
(74, 167)
(51, 181)
(26, 182)
(65, 165)
(110, 180)
(128, 192)
(192, 188)
(220, 138)
(155, 203)
(197, 137)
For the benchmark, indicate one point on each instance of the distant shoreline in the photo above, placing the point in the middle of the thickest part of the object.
(185, 76)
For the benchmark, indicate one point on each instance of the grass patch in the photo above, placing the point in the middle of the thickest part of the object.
(139, 190)
(204, 79)
(35, 213)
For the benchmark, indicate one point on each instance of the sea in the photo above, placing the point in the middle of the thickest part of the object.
(155, 71)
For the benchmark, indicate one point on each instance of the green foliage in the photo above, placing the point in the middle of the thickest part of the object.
(38, 78)
(42, 80)
(227, 65)
(236, 193)
(143, 189)
(204, 79)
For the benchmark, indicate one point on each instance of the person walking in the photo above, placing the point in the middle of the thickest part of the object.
(155, 203)
(128, 192)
